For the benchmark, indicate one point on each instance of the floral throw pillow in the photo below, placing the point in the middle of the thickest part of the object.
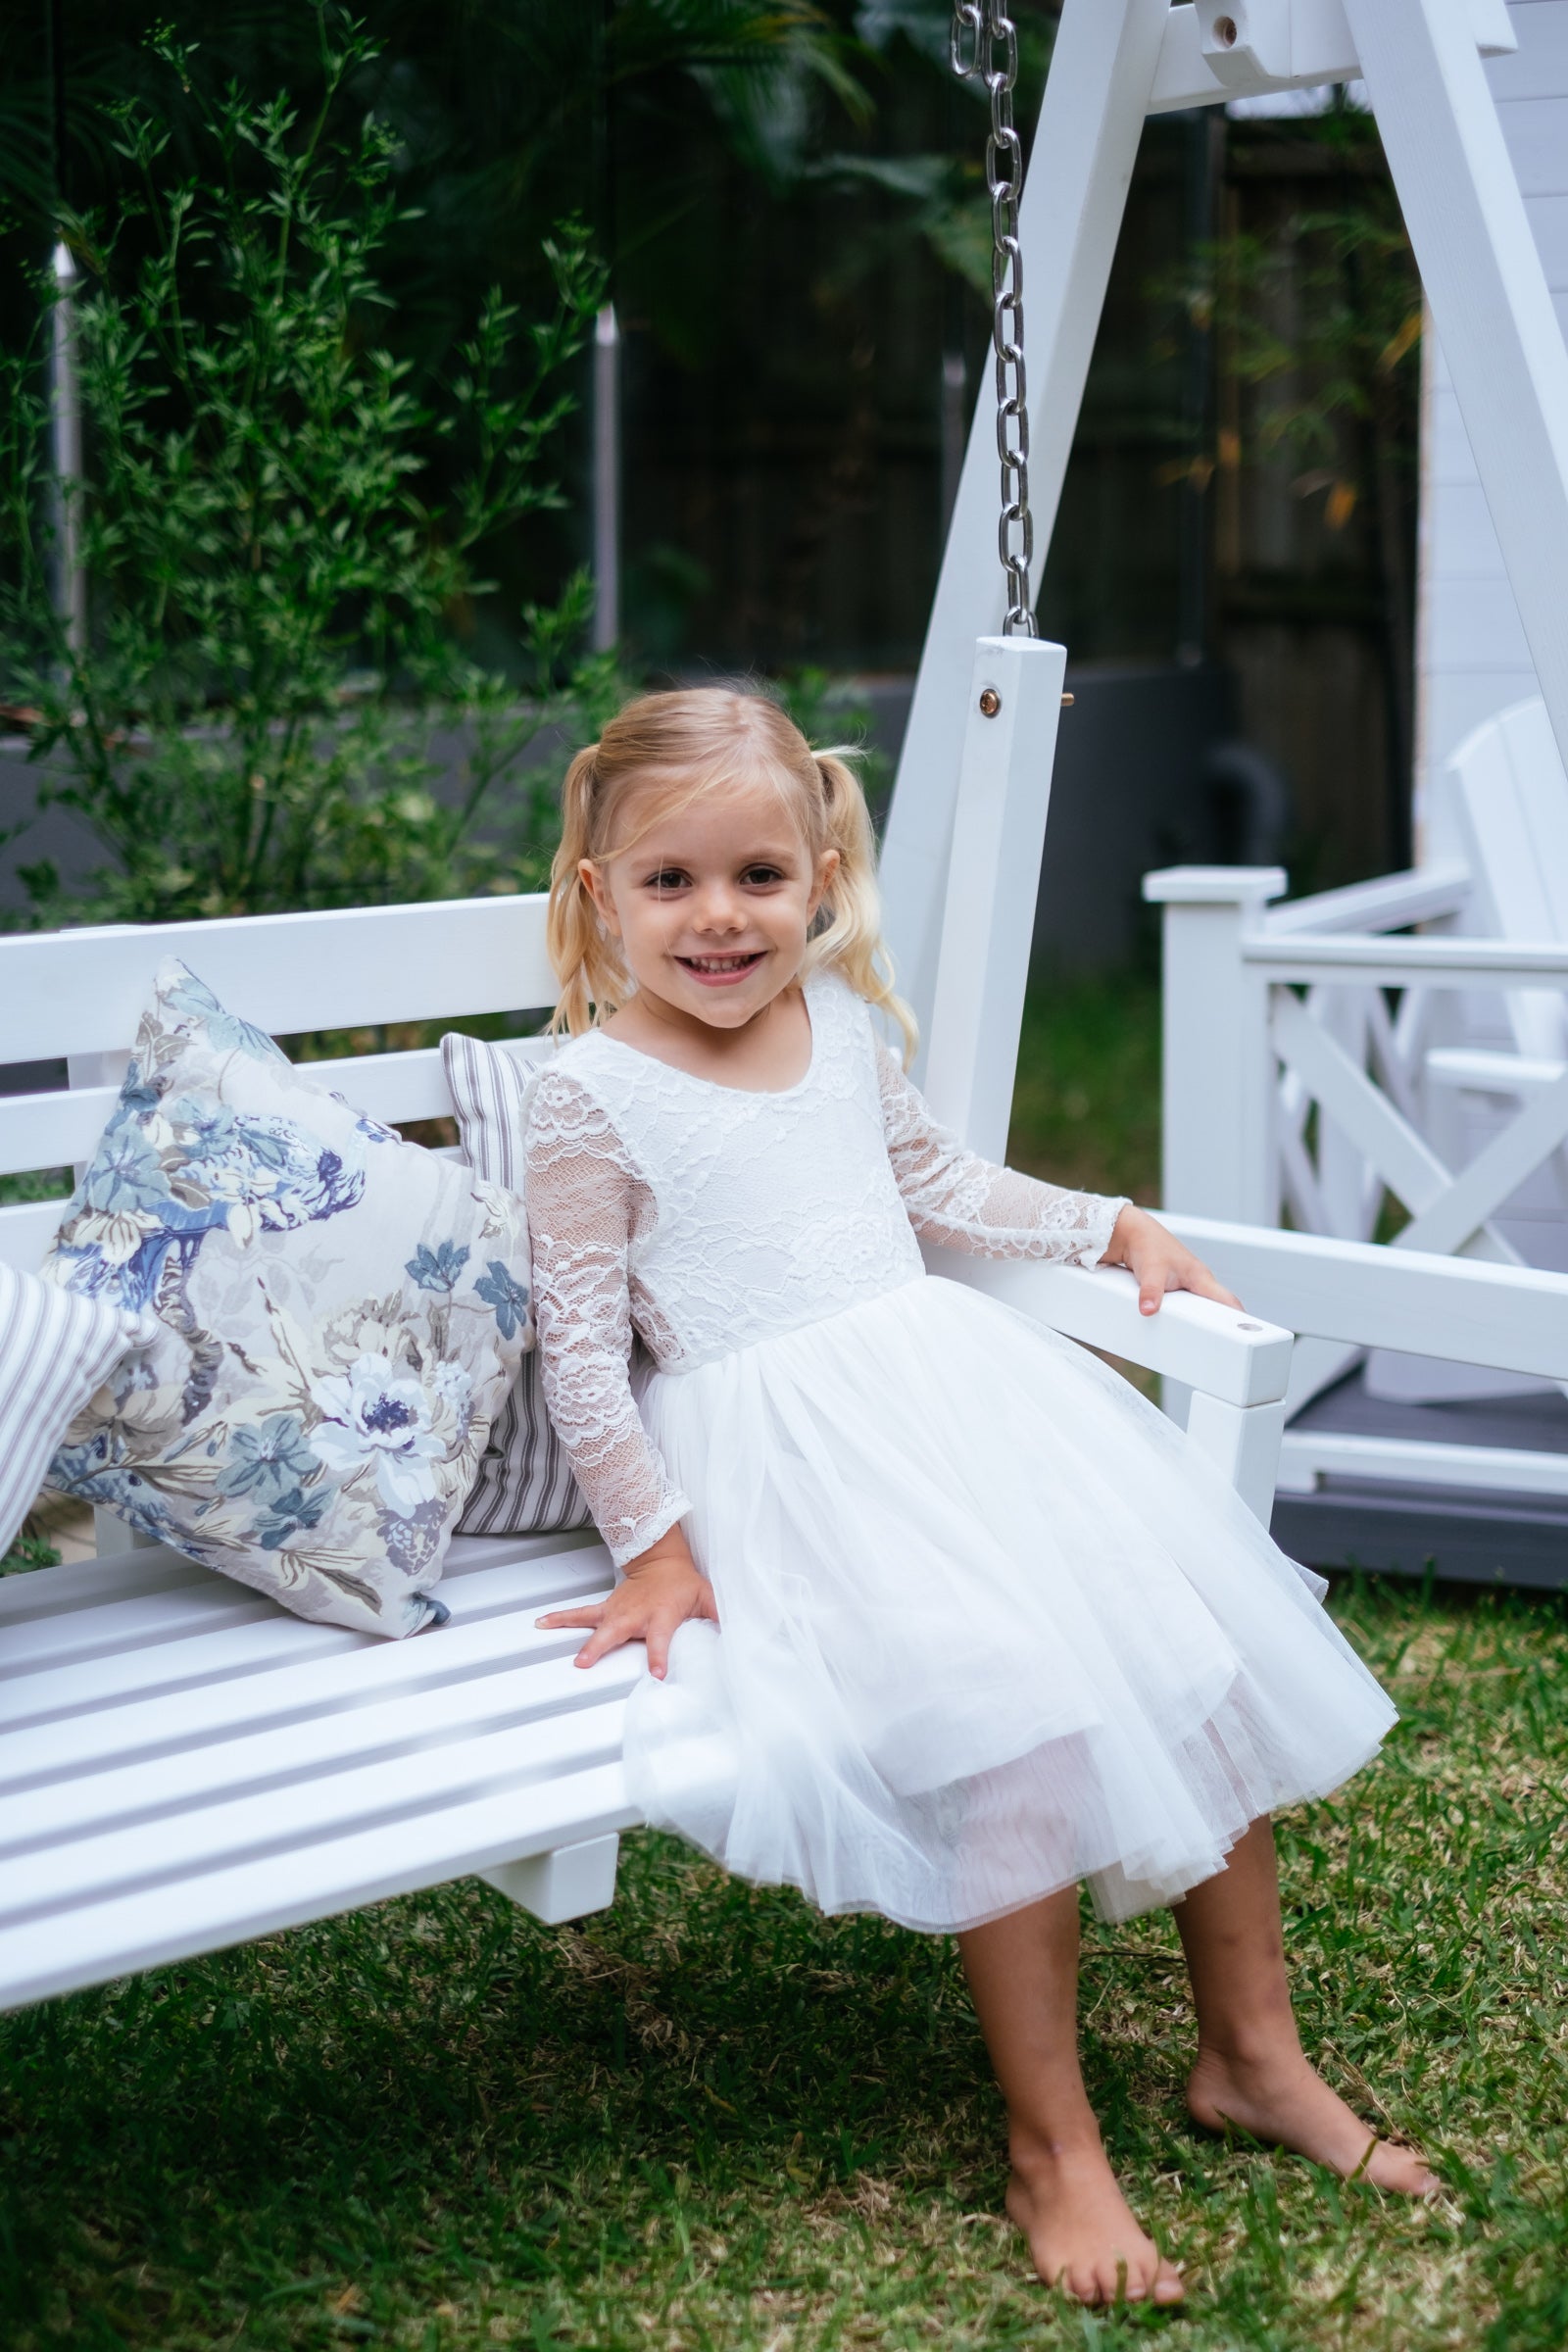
(338, 1315)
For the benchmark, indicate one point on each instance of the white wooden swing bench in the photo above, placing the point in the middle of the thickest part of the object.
(184, 1765)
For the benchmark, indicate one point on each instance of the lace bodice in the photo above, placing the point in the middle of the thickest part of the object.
(703, 1218)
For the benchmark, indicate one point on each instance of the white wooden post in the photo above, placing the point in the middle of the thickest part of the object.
(1218, 1084)
(1015, 704)
(1488, 296)
(1242, 1442)
(566, 1883)
(1096, 96)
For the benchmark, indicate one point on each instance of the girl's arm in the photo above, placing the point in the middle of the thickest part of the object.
(584, 1196)
(955, 1197)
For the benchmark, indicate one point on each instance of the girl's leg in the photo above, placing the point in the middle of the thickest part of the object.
(1251, 2071)
(1023, 1974)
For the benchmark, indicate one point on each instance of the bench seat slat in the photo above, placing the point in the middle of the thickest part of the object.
(156, 1567)
(144, 1621)
(273, 1639)
(208, 1716)
(541, 1681)
(280, 1817)
(246, 1899)
(89, 1584)
(206, 1602)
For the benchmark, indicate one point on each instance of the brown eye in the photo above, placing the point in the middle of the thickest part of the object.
(763, 873)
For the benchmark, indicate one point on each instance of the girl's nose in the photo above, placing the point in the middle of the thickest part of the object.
(719, 909)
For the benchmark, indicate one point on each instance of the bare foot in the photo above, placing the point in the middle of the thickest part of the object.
(1080, 2228)
(1284, 2101)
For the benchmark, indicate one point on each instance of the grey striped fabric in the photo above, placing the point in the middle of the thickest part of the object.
(56, 1349)
(524, 1485)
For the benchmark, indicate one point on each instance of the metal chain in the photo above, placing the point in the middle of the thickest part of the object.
(984, 43)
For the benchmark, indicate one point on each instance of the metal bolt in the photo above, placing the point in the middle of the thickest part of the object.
(989, 702)
(1066, 701)
(1225, 31)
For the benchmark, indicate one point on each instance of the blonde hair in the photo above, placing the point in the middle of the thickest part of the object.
(679, 746)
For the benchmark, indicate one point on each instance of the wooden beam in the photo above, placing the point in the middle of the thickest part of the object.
(1488, 291)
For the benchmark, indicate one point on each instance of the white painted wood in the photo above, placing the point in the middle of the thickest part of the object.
(1363, 1296)
(1102, 71)
(1386, 904)
(1486, 1072)
(1242, 1442)
(1308, 1455)
(1401, 963)
(1402, 1158)
(1218, 1071)
(566, 1884)
(1456, 1218)
(61, 1128)
(145, 1926)
(993, 883)
(1280, 46)
(1236, 1357)
(1488, 295)
(80, 992)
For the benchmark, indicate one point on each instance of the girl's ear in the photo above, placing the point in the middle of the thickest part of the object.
(591, 875)
(827, 865)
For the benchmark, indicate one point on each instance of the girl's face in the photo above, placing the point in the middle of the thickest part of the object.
(712, 903)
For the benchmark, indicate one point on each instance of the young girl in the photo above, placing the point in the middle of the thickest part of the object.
(941, 1615)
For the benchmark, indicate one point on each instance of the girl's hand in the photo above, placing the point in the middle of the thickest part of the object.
(1161, 1263)
(661, 1589)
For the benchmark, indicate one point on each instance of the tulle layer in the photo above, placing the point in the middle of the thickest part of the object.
(986, 1626)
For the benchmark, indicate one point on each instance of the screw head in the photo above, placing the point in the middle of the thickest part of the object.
(989, 702)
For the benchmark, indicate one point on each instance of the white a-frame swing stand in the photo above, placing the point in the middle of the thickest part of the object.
(1115, 63)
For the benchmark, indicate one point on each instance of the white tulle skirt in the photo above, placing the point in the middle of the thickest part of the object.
(986, 1626)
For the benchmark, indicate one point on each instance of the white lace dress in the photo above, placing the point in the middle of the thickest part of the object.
(985, 1626)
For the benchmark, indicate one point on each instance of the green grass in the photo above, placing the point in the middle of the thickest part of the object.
(709, 2119)
(1086, 1107)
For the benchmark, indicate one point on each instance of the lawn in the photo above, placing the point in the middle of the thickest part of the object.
(710, 2118)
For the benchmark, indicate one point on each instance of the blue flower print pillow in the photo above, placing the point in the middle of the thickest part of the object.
(338, 1314)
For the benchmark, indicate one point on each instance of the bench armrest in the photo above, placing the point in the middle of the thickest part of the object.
(1370, 1295)
(1235, 1358)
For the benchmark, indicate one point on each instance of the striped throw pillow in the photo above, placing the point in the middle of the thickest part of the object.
(524, 1485)
(56, 1349)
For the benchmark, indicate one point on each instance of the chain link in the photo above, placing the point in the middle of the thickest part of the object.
(984, 43)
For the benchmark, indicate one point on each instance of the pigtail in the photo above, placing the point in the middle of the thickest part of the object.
(850, 939)
(587, 970)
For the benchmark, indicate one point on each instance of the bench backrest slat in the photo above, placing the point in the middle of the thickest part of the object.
(80, 992)
(58, 1130)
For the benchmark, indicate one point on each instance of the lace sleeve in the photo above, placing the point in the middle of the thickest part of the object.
(584, 1198)
(955, 1197)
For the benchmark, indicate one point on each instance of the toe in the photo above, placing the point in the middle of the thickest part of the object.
(1169, 2286)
